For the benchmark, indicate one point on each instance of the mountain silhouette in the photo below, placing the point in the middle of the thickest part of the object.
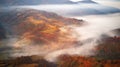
(34, 2)
(37, 2)
(86, 1)
(80, 9)
(2, 32)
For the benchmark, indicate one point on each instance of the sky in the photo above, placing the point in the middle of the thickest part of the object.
(112, 3)
(95, 0)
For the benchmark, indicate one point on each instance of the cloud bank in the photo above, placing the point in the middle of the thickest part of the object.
(89, 35)
(87, 38)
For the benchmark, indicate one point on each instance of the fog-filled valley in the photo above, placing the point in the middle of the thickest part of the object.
(84, 34)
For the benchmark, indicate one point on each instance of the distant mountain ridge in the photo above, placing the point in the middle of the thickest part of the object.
(34, 2)
(86, 1)
(77, 10)
(38, 2)
(85, 7)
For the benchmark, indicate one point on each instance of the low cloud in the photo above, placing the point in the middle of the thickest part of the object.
(89, 35)
(86, 36)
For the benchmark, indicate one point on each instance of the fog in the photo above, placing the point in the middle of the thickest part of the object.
(88, 35)
(70, 10)
(112, 3)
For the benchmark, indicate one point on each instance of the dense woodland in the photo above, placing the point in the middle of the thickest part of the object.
(108, 56)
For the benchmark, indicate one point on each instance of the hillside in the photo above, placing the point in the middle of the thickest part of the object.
(48, 31)
(110, 47)
(23, 28)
